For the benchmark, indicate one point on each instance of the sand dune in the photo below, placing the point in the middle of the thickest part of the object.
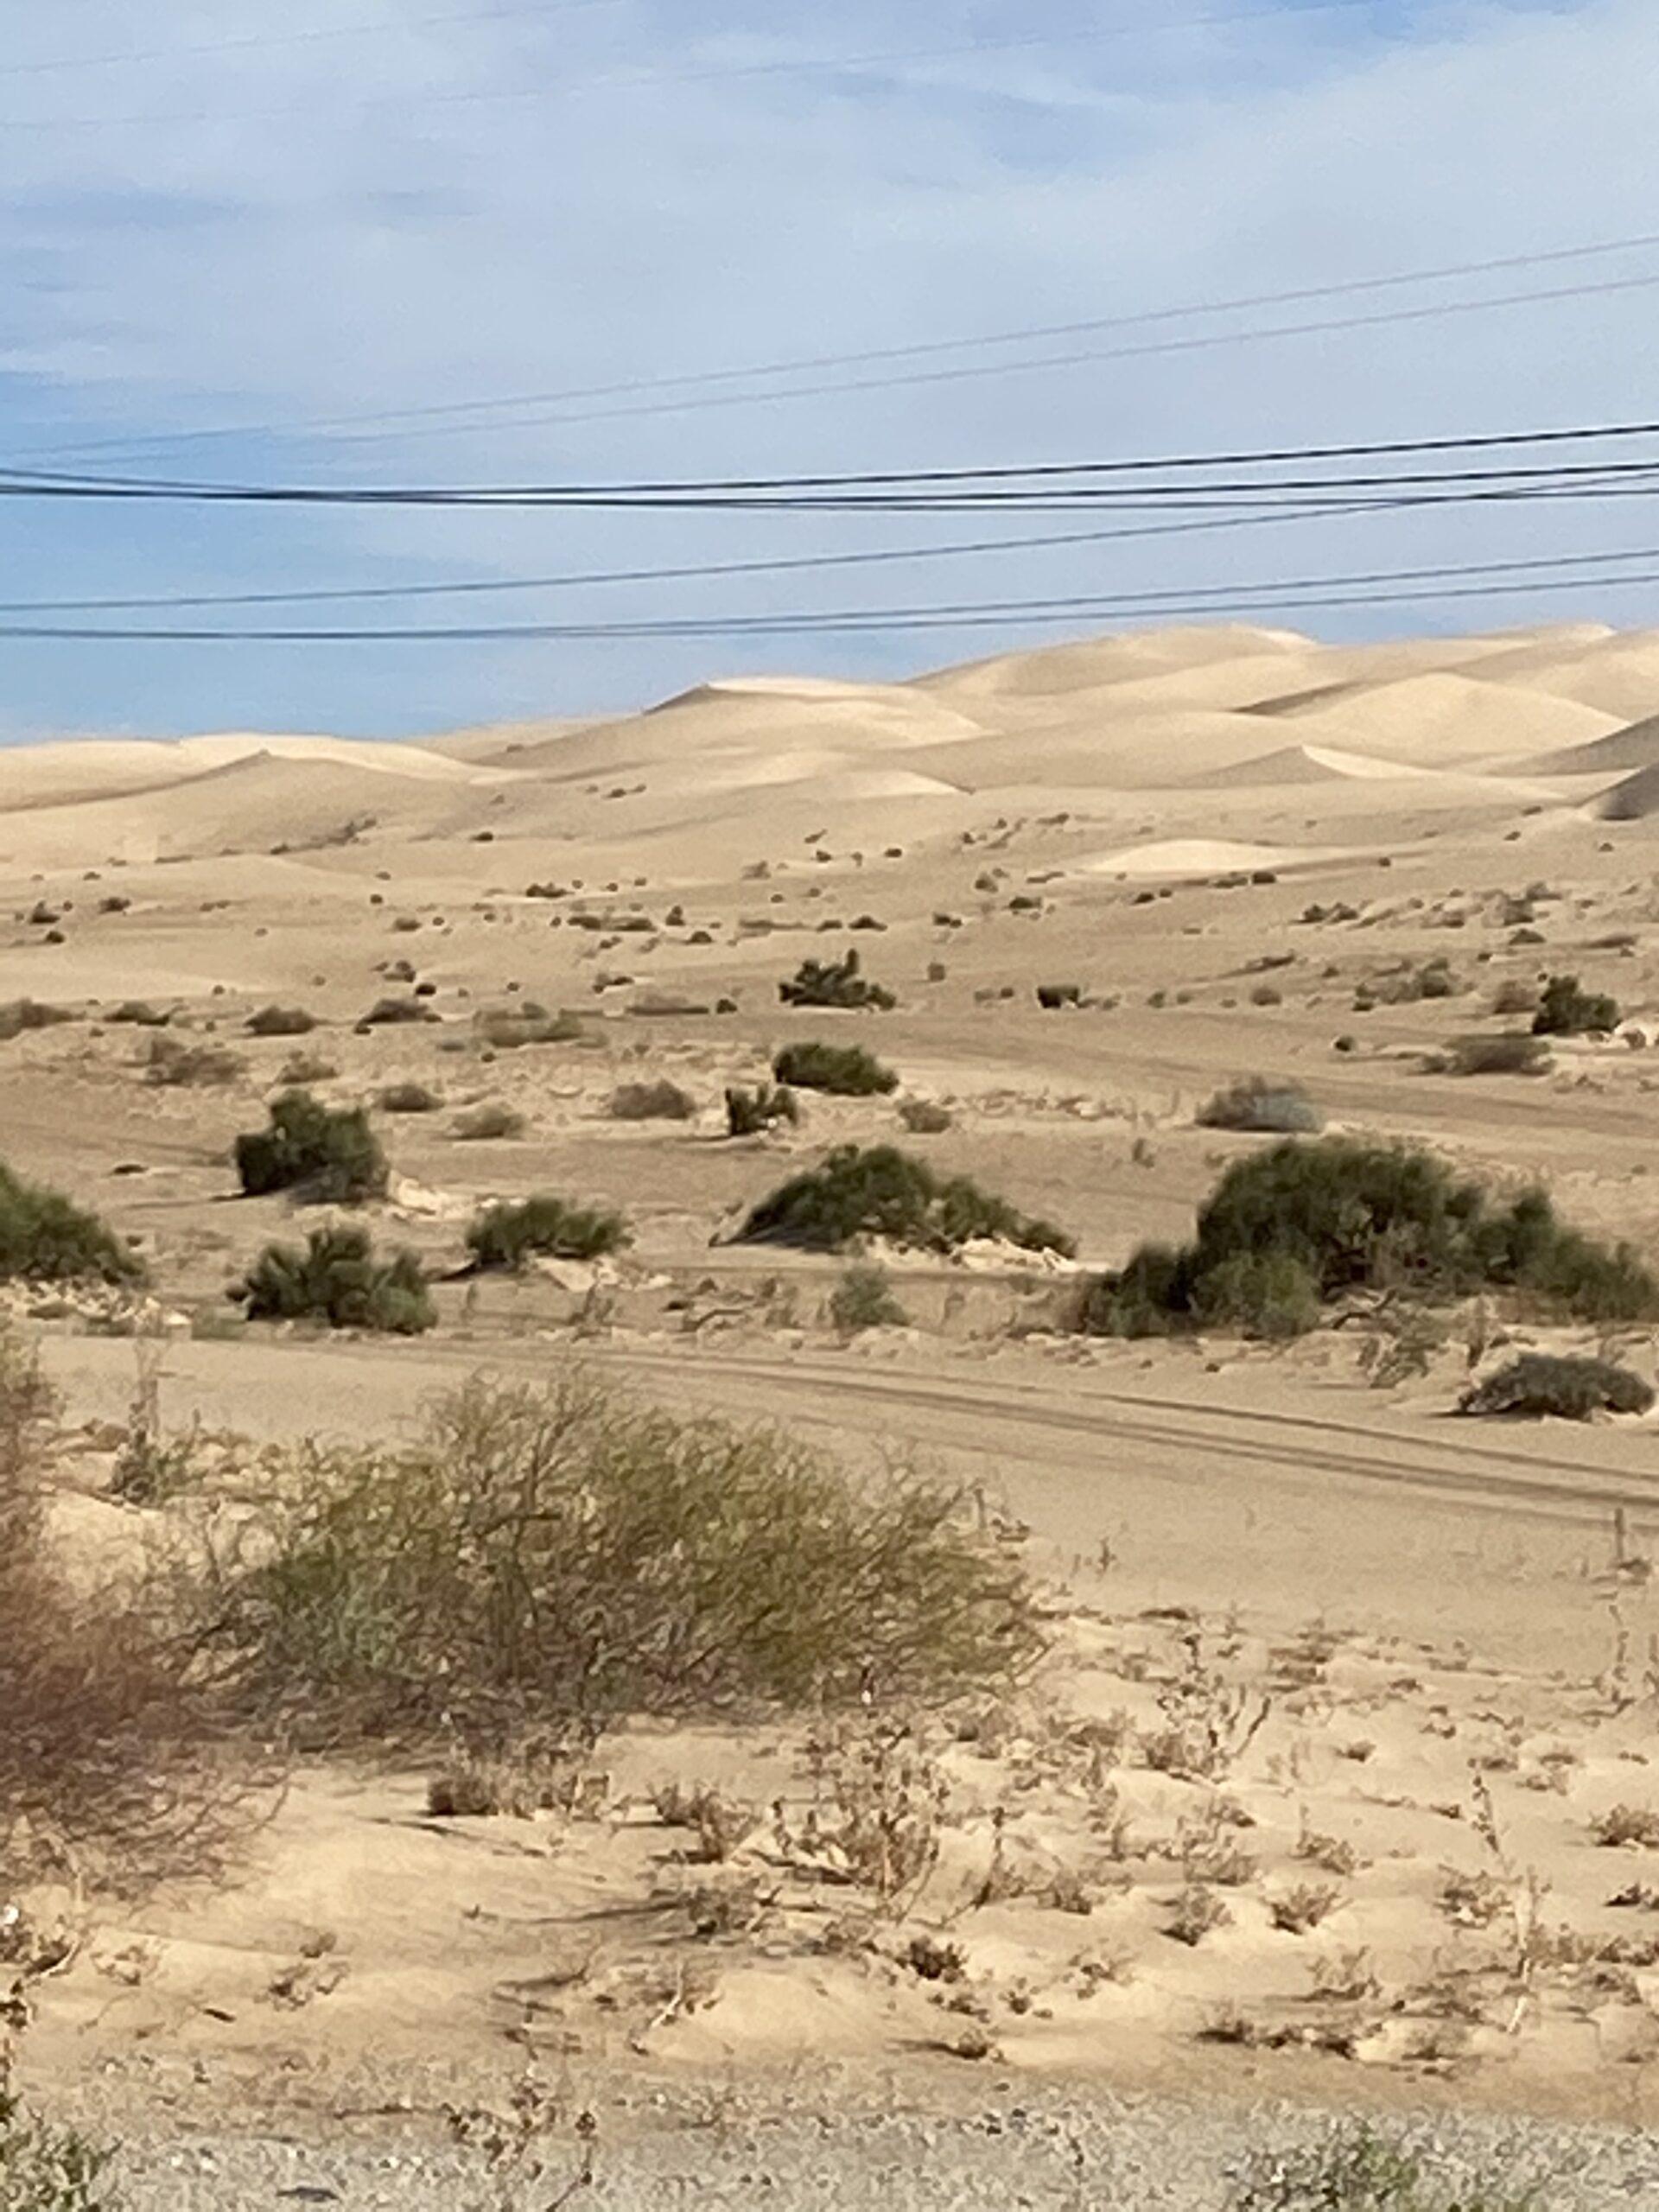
(1442, 718)
(1615, 672)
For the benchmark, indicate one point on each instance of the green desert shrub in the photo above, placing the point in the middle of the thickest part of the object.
(281, 1021)
(409, 1098)
(322, 1154)
(44, 2167)
(45, 1237)
(923, 1117)
(509, 1029)
(1511, 1051)
(847, 1070)
(835, 984)
(505, 1235)
(879, 1191)
(653, 1102)
(339, 1280)
(1273, 1106)
(863, 1300)
(1569, 1387)
(1356, 2170)
(561, 1557)
(1353, 1216)
(1565, 1010)
(483, 1124)
(176, 1064)
(752, 1113)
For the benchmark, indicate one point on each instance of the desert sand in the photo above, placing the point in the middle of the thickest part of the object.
(1426, 1650)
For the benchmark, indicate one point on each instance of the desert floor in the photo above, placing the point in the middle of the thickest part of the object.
(1428, 1649)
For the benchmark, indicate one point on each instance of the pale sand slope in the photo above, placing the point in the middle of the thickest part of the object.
(1420, 1604)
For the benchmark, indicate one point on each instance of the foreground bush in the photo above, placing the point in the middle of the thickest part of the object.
(1359, 2170)
(45, 1237)
(878, 1191)
(1274, 1108)
(1572, 1388)
(863, 1300)
(1291, 1230)
(846, 1070)
(752, 1113)
(322, 1154)
(505, 1236)
(1565, 1010)
(44, 2168)
(835, 984)
(566, 1556)
(338, 1279)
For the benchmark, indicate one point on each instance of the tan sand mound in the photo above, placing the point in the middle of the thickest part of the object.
(1186, 856)
(1442, 719)
(1615, 672)
(1634, 799)
(1634, 747)
(1101, 750)
(1057, 669)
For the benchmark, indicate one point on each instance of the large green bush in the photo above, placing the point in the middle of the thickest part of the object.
(504, 1236)
(337, 1279)
(322, 1154)
(1293, 1229)
(45, 1237)
(846, 1070)
(835, 984)
(562, 1556)
(879, 1191)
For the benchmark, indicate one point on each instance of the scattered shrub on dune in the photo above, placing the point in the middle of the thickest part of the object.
(337, 1279)
(140, 1013)
(509, 1030)
(653, 1102)
(878, 1191)
(409, 1098)
(1272, 1106)
(504, 1236)
(1571, 1388)
(1294, 1229)
(1514, 997)
(19, 1016)
(175, 1063)
(386, 1014)
(845, 1071)
(752, 1113)
(487, 1123)
(300, 1069)
(45, 1237)
(863, 1300)
(1511, 1051)
(281, 1021)
(1357, 2169)
(563, 1558)
(322, 1154)
(923, 1118)
(1565, 1010)
(835, 984)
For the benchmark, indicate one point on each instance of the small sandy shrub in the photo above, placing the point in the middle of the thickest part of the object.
(301, 1069)
(19, 1016)
(43, 2167)
(505, 1236)
(510, 1029)
(338, 1279)
(846, 1070)
(139, 1012)
(1565, 1010)
(1514, 997)
(1309, 1904)
(1272, 1106)
(835, 984)
(863, 1300)
(653, 1102)
(387, 1014)
(752, 1113)
(923, 1117)
(483, 1124)
(1196, 1913)
(173, 1063)
(1624, 1826)
(1053, 998)
(878, 1191)
(409, 1098)
(281, 1021)
(45, 1237)
(1511, 1051)
(1356, 2170)
(322, 1154)
(1570, 1388)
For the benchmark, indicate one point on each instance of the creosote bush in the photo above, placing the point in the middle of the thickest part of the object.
(752, 1113)
(281, 1021)
(1565, 1010)
(509, 1029)
(845, 1071)
(863, 1300)
(409, 1098)
(504, 1236)
(339, 1280)
(1511, 1051)
(1273, 1106)
(1571, 1388)
(45, 1237)
(653, 1102)
(925, 1117)
(175, 1063)
(565, 1556)
(1302, 1225)
(322, 1154)
(879, 1191)
(1356, 2170)
(485, 1124)
(835, 984)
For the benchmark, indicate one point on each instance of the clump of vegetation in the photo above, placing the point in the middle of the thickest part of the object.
(879, 1191)
(1514, 997)
(301, 1069)
(1565, 1010)
(653, 1102)
(173, 1063)
(387, 1014)
(1511, 1051)
(1272, 1106)
(409, 1098)
(1294, 1229)
(565, 1557)
(510, 1029)
(139, 1012)
(281, 1021)
(1571, 1388)
(322, 1154)
(45, 1237)
(752, 1113)
(487, 1122)
(338, 1279)
(44, 2168)
(505, 1236)
(17, 1016)
(923, 1117)
(863, 1300)
(846, 1070)
(1358, 2170)
(1053, 998)
(835, 984)
(1406, 985)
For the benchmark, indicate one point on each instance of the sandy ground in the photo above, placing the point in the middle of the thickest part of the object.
(1422, 1654)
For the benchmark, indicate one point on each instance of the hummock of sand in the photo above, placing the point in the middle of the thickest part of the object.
(1223, 838)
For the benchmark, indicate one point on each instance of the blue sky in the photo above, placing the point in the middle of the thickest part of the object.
(295, 232)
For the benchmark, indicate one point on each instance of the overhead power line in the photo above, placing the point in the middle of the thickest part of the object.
(1466, 579)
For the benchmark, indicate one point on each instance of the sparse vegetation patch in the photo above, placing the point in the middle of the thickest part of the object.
(835, 984)
(879, 1191)
(322, 1154)
(1570, 1388)
(505, 1236)
(46, 1237)
(846, 1070)
(1273, 1106)
(338, 1279)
